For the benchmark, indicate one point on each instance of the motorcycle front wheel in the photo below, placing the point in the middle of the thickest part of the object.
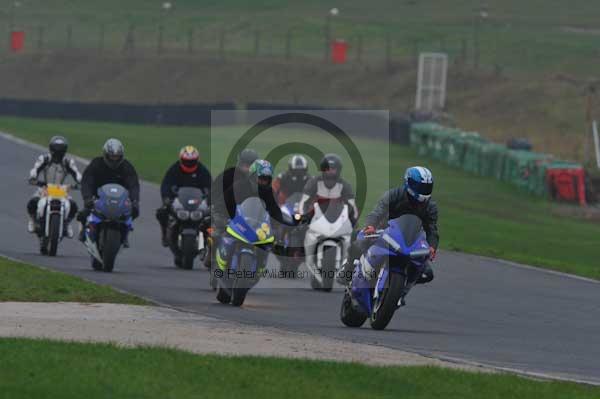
(387, 303)
(111, 243)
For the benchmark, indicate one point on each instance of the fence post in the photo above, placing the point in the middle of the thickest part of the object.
(101, 43)
(69, 36)
(327, 37)
(40, 38)
(191, 41)
(159, 45)
(129, 45)
(388, 52)
(288, 44)
(256, 43)
(222, 44)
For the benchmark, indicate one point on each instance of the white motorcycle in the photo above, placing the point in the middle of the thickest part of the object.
(52, 211)
(327, 242)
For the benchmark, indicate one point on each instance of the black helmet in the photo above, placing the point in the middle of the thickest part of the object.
(58, 148)
(113, 153)
(246, 157)
(331, 168)
(298, 165)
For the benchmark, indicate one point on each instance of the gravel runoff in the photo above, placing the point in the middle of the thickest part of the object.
(130, 325)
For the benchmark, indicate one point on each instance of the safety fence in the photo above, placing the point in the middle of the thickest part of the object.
(193, 114)
(540, 174)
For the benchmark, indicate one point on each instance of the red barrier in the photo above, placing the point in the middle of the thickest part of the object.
(567, 184)
(17, 41)
(339, 48)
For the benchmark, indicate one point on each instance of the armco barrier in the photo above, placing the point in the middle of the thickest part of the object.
(167, 114)
(534, 172)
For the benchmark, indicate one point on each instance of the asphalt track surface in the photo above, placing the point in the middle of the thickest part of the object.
(477, 309)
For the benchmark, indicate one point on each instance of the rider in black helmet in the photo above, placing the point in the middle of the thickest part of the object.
(292, 180)
(329, 186)
(111, 167)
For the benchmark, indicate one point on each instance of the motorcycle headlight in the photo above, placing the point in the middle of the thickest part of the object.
(183, 214)
(196, 215)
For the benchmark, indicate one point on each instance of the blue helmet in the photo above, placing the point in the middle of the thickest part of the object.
(261, 169)
(418, 184)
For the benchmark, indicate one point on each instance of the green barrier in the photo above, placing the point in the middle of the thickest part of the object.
(474, 154)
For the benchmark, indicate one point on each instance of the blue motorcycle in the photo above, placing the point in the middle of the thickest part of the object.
(108, 225)
(385, 273)
(243, 251)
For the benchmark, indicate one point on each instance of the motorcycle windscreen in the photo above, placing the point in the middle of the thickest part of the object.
(190, 197)
(408, 227)
(332, 209)
(114, 201)
(251, 221)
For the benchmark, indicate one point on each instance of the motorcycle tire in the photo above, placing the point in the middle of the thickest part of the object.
(387, 303)
(53, 234)
(110, 247)
(188, 252)
(349, 315)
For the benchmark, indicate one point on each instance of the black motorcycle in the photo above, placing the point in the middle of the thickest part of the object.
(189, 221)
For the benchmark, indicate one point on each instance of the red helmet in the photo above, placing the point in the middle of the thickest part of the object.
(188, 159)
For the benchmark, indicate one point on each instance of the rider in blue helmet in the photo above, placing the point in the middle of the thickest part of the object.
(413, 198)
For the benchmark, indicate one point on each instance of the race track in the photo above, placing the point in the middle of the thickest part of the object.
(477, 309)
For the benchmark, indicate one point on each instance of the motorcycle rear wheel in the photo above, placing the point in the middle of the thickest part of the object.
(349, 315)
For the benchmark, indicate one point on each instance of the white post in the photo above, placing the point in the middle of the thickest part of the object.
(596, 142)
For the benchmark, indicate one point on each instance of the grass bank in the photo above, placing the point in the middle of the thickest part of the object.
(47, 369)
(20, 282)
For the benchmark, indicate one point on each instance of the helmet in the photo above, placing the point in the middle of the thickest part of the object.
(418, 184)
(298, 165)
(188, 159)
(113, 153)
(58, 148)
(331, 167)
(246, 157)
(261, 172)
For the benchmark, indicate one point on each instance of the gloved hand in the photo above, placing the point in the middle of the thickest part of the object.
(135, 209)
(369, 230)
(88, 203)
(33, 181)
(432, 253)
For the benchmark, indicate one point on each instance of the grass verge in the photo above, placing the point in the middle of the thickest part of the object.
(20, 282)
(477, 214)
(36, 369)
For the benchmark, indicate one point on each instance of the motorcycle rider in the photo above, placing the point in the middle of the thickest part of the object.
(229, 176)
(53, 168)
(186, 172)
(329, 186)
(257, 184)
(412, 198)
(292, 180)
(111, 167)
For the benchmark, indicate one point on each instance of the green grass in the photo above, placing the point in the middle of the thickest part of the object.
(46, 369)
(20, 282)
(477, 215)
(519, 35)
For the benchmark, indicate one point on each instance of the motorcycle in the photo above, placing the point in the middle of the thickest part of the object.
(401, 252)
(238, 255)
(188, 221)
(52, 212)
(326, 243)
(107, 226)
(291, 239)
